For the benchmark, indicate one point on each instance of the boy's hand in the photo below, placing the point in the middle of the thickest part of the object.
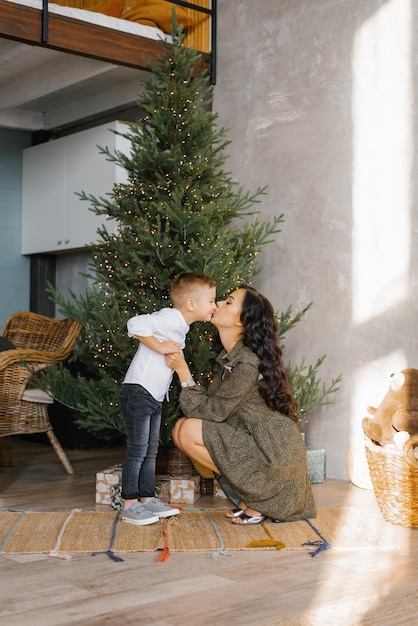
(169, 347)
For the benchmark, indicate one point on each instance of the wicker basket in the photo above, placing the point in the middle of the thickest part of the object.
(395, 481)
(179, 465)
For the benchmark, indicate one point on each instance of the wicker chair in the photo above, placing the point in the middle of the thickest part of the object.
(39, 341)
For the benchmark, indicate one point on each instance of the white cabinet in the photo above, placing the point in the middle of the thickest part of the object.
(54, 219)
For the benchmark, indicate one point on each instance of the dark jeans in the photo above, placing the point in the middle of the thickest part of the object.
(142, 418)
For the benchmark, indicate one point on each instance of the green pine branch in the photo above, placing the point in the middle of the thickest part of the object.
(308, 387)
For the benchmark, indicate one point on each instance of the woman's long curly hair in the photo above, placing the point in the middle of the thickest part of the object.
(261, 336)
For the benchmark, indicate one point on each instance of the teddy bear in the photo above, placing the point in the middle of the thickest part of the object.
(398, 410)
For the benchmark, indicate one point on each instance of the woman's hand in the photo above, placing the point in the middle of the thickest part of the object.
(178, 363)
(176, 360)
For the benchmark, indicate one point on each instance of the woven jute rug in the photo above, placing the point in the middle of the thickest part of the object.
(64, 533)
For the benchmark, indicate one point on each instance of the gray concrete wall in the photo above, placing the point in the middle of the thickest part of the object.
(319, 97)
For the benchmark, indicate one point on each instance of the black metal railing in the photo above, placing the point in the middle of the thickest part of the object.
(212, 11)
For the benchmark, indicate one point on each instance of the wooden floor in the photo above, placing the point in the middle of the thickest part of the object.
(243, 587)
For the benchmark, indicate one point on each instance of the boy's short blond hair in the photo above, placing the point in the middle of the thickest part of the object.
(186, 285)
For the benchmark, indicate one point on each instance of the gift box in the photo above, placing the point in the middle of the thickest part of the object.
(105, 482)
(179, 490)
(316, 465)
(168, 489)
(218, 492)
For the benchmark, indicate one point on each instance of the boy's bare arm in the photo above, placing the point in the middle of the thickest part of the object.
(162, 347)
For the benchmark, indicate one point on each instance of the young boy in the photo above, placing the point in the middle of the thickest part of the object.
(146, 384)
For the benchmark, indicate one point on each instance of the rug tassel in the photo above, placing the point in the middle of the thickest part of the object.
(271, 542)
(218, 552)
(165, 554)
(321, 545)
(222, 551)
(110, 552)
(60, 555)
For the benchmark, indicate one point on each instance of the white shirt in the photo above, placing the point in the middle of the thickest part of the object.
(148, 368)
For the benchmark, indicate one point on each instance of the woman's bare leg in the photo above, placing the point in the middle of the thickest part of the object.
(175, 432)
(187, 435)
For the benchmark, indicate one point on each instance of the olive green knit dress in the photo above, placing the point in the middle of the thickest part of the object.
(260, 452)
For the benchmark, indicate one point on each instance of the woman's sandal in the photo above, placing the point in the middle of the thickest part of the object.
(235, 513)
(248, 519)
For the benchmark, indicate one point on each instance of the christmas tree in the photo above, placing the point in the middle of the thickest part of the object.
(179, 211)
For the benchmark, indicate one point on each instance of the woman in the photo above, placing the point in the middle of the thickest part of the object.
(244, 426)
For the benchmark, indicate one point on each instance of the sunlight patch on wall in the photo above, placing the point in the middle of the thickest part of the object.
(382, 156)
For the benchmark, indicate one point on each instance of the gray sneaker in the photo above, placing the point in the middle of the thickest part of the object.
(157, 507)
(138, 514)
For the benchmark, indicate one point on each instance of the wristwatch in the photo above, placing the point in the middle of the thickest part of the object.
(186, 383)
